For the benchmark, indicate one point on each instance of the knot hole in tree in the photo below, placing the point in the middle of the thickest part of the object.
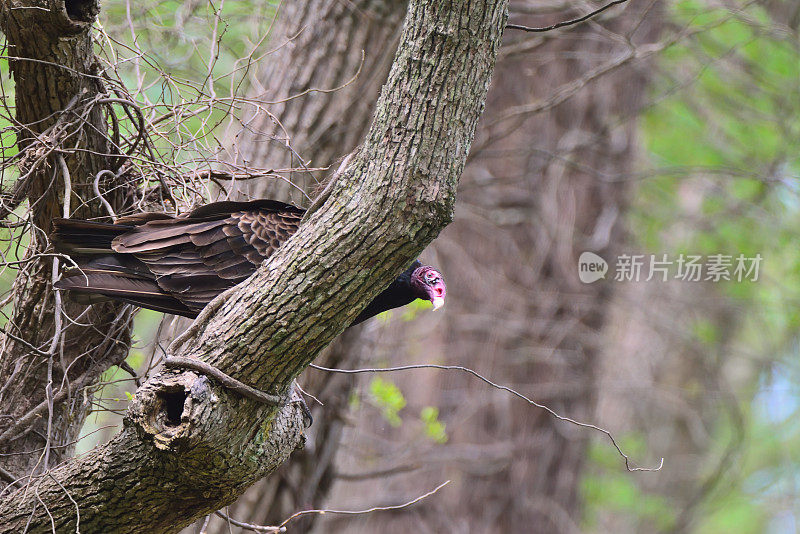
(168, 406)
(81, 10)
(171, 404)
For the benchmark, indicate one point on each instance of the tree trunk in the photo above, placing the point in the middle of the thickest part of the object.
(61, 134)
(337, 54)
(266, 331)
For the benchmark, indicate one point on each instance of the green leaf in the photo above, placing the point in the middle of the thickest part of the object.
(388, 398)
(434, 428)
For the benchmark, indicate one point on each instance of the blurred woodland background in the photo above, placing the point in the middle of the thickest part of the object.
(658, 127)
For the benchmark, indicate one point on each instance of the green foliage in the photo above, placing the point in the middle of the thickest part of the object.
(723, 177)
(724, 131)
(388, 398)
(408, 312)
(385, 318)
(706, 331)
(737, 514)
(434, 428)
(354, 400)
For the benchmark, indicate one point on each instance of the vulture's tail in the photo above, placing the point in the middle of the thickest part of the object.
(102, 274)
(78, 237)
(89, 286)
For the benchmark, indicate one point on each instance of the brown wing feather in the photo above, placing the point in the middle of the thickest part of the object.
(94, 285)
(197, 256)
(160, 235)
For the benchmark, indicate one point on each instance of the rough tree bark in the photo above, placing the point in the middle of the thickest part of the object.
(189, 447)
(319, 44)
(62, 137)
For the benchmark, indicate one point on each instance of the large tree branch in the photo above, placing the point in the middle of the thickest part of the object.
(190, 447)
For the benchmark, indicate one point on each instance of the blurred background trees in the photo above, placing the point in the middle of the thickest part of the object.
(660, 127)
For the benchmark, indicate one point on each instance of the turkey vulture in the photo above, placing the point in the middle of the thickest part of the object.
(179, 264)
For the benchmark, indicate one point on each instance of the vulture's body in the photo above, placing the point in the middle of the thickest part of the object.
(179, 264)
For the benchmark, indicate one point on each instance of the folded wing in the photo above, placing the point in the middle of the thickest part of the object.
(174, 264)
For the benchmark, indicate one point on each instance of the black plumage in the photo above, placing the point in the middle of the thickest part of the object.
(179, 264)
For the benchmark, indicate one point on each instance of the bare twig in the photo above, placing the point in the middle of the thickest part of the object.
(9, 477)
(229, 382)
(282, 526)
(565, 23)
(503, 388)
(100, 196)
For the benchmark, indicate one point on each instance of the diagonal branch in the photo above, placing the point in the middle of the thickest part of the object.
(188, 446)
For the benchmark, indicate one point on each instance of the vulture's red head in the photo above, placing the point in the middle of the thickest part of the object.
(428, 284)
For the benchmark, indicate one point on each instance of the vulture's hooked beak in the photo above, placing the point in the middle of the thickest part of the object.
(437, 293)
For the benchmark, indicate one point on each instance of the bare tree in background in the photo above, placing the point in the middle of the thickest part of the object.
(551, 174)
(319, 88)
(549, 179)
(577, 205)
(655, 356)
(648, 369)
(662, 376)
